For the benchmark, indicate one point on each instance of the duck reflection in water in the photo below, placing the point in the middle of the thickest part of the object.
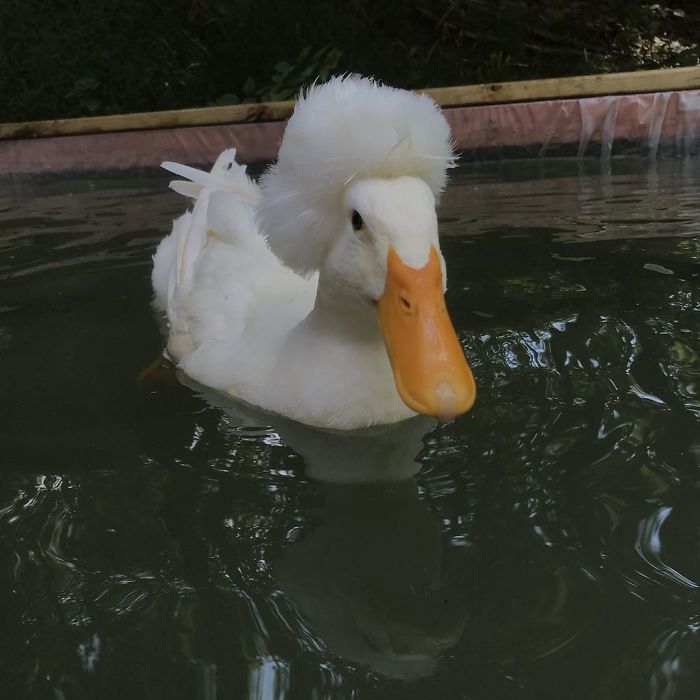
(369, 577)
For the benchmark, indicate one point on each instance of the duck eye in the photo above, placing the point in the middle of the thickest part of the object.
(357, 222)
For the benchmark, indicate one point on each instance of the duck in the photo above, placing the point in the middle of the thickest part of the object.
(317, 292)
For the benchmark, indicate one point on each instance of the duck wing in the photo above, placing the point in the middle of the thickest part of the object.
(225, 203)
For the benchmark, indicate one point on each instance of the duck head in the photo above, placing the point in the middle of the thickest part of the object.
(353, 197)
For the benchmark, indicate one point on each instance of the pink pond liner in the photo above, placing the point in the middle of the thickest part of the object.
(649, 119)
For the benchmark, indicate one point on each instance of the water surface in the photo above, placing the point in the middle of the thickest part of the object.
(157, 543)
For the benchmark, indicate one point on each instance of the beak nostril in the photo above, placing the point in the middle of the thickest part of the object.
(405, 303)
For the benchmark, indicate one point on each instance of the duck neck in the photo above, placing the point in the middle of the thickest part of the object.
(343, 315)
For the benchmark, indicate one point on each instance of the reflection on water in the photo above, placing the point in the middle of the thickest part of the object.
(367, 577)
(158, 542)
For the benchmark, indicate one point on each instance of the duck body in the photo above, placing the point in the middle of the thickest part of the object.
(271, 293)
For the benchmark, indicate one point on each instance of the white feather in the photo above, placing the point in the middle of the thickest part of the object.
(225, 175)
(347, 128)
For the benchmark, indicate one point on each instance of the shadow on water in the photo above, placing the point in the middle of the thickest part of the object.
(158, 542)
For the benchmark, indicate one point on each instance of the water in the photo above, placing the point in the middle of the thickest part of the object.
(156, 545)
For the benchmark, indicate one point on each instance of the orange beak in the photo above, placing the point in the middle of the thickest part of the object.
(431, 373)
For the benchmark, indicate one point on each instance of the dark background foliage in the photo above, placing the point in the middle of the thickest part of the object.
(64, 59)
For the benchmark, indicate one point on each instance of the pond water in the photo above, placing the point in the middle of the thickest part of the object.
(155, 543)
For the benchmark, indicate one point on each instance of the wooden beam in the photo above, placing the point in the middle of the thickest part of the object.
(140, 121)
(664, 80)
(468, 95)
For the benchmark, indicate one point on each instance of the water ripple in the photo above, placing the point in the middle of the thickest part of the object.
(649, 546)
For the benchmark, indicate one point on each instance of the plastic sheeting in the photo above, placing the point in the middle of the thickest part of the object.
(133, 149)
(654, 124)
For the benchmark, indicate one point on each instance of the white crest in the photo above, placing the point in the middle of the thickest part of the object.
(350, 127)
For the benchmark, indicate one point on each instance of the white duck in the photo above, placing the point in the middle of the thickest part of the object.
(319, 295)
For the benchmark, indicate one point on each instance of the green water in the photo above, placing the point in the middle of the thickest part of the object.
(154, 544)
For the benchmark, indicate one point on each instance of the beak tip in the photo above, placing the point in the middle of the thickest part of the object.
(446, 400)
(450, 403)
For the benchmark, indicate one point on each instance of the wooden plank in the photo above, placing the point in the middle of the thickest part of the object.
(140, 121)
(665, 80)
(461, 96)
